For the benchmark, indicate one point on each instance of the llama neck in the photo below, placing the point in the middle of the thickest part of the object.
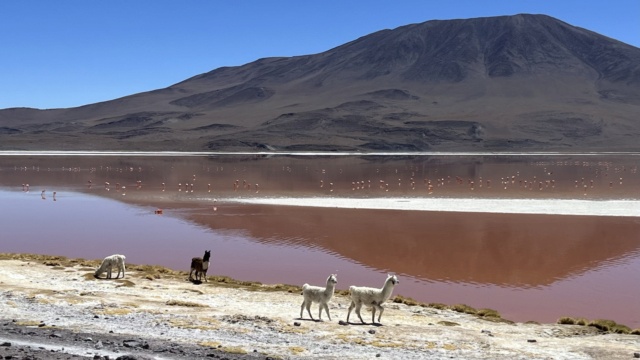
(331, 286)
(205, 265)
(386, 290)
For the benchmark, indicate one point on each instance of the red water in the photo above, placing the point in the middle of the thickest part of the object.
(528, 267)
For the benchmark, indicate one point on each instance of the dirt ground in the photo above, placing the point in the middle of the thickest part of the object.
(53, 308)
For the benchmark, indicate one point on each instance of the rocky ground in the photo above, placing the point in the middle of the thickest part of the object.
(53, 308)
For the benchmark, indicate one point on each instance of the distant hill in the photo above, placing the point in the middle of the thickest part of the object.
(522, 82)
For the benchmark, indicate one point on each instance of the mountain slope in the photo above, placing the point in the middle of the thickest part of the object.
(500, 83)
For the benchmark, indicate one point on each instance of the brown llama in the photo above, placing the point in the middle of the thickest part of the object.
(200, 265)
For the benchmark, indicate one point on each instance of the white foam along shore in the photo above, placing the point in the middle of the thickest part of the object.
(504, 206)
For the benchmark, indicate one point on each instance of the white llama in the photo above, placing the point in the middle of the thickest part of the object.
(371, 297)
(320, 295)
(109, 263)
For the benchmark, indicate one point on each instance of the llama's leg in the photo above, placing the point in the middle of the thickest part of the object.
(109, 272)
(190, 272)
(205, 275)
(320, 311)
(302, 308)
(358, 308)
(123, 269)
(373, 312)
(326, 308)
(351, 306)
(309, 309)
(381, 310)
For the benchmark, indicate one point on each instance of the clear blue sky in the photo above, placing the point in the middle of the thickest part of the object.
(74, 52)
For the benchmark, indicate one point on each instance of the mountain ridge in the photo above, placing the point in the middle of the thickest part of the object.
(515, 82)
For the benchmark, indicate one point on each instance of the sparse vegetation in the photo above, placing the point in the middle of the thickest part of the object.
(448, 323)
(405, 300)
(297, 350)
(566, 320)
(582, 321)
(438, 306)
(184, 303)
(488, 313)
(233, 350)
(211, 344)
(604, 325)
(463, 308)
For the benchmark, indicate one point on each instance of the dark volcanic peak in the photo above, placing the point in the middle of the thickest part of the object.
(453, 50)
(496, 83)
(449, 51)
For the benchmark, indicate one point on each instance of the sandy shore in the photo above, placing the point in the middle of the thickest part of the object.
(159, 306)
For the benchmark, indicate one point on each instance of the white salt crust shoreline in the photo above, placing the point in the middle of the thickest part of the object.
(627, 208)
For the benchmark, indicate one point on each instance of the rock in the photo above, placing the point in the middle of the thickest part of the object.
(636, 355)
(6, 343)
(372, 331)
(297, 323)
(99, 345)
(131, 343)
(56, 335)
(342, 323)
(532, 340)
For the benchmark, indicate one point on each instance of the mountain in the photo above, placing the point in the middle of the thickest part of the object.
(522, 82)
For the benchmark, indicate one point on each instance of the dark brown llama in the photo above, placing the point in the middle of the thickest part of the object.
(200, 265)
